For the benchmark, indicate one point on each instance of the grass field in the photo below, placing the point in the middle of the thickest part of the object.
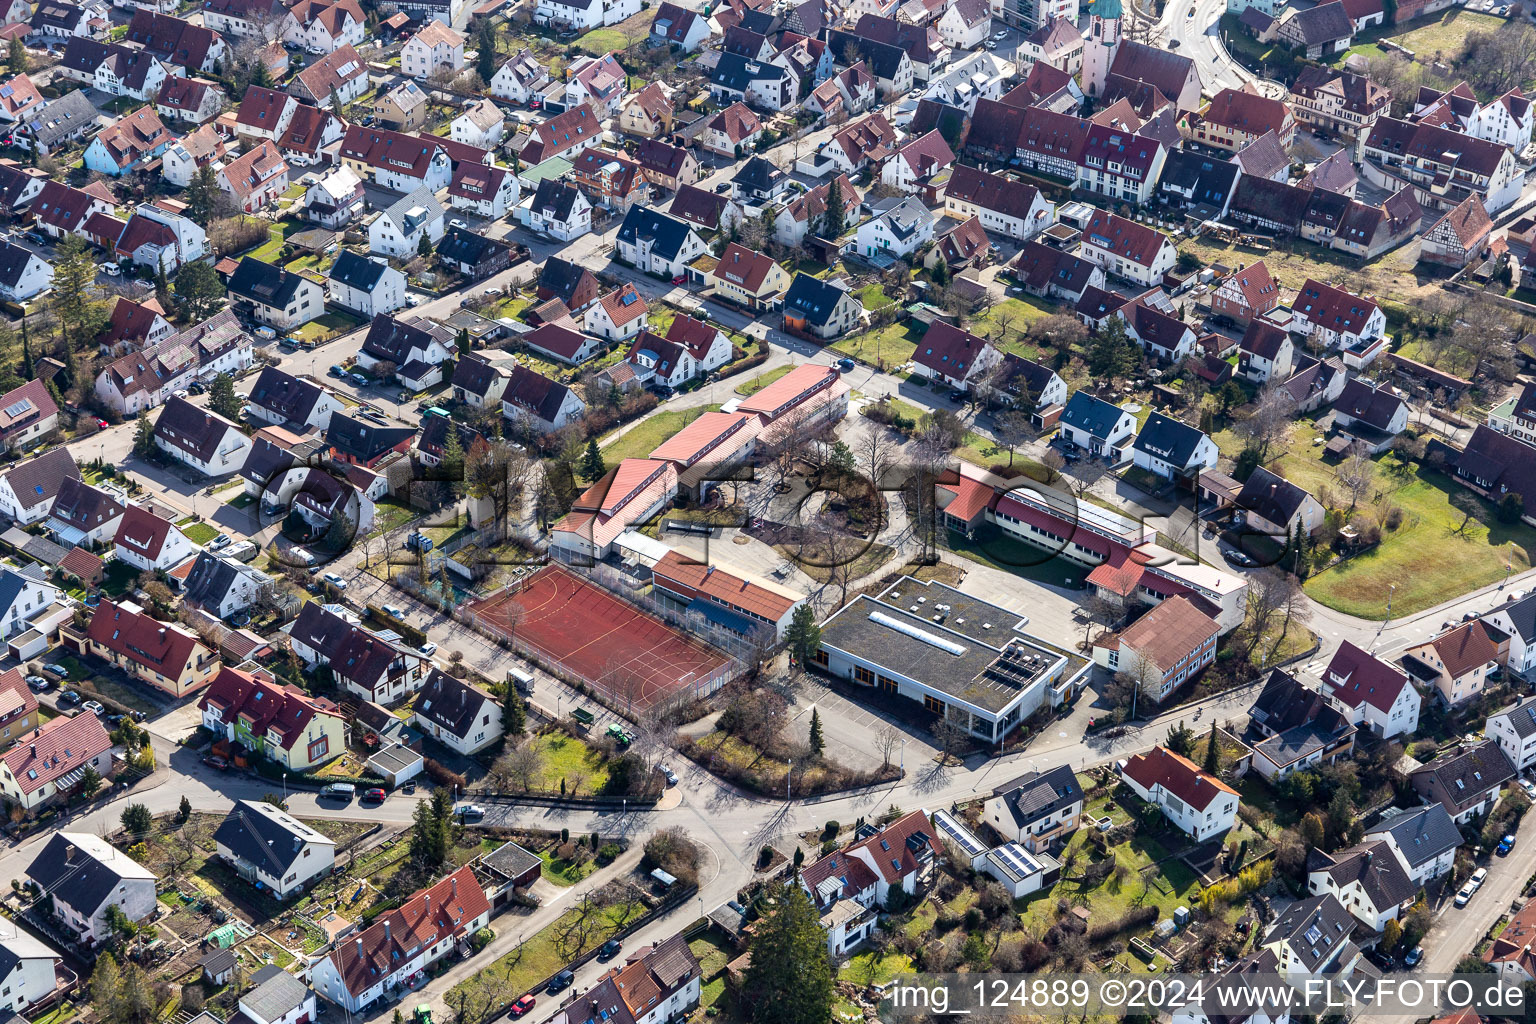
(762, 380)
(888, 346)
(565, 758)
(641, 439)
(330, 324)
(1015, 314)
(199, 533)
(873, 296)
(563, 872)
(546, 952)
(1440, 34)
(1292, 262)
(1449, 543)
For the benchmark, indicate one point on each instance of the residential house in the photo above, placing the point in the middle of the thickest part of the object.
(1458, 662)
(401, 109)
(1098, 427)
(1293, 728)
(1172, 450)
(680, 27)
(434, 50)
(612, 180)
(1372, 692)
(897, 228)
(666, 166)
(953, 357)
(161, 654)
(558, 209)
(366, 285)
(1311, 938)
(114, 69)
(1317, 31)
(1341, 102)
(1265, 352)
(28, 489)
(1443, 165)
(1365, 878)
(1039, 810)
(1012, 208)
(127, 143)
(405, 941)
(223, 586)
(1459, 237)
(520, 79)
(1517, 620)
(297, 730)
(362, 662)
(148, 542)
(582, 15)
(360, 443)
(619, 315)
(401, 163)
(913, 166)
(456, 714)
(22, 598)
(256, 178)
(325, 26)
(284, 299)
(189, 154)
(1423, 839)
(1236, 117)
(23, 273)
(543, 403)
(1465, 780)
(1514, 730)
(732, 132)
(1275, 507)
(83, 515)
(562, 343)
(749, 279)
(200, 438)
(1136, 252)
(82, 873)
(339, 76)
(655, 243)
(648, 112)
(966, 24)
(191, 100)
(763, 85)
(657, 983)
(474, 256)
(563, 135)
(864, 143)
(1246, 293)
(1196, 802)
(28, 414)
(820, 309)
(244, 18)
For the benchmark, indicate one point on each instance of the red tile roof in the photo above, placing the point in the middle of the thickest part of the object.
(1178, 775)
(889, 848)
(1355, 677)
(262, 705)
(55, 749)
(429, 917)
(143, 532)
(690, 578)
(161, 647)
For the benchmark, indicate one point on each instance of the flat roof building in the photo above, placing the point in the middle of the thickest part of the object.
(964, 659)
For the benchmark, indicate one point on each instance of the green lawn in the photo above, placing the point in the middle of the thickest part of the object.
(640, 440)
(875, 967)
(117, 578)
(564, 872)
(992, 547)
(1441, 34)
(603, 40)
(566, 758)
(328, 326)
(199, 533)
(390, 514)
(762, 380)
(1450, 542)
(544, 953)
(886, 347)
(873, 296)
(277, 236)
(1014, 314)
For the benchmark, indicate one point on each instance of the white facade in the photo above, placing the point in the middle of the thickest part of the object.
(227, 458)
(403, 239)
(421, 58)
(582, 15)
(36, 276)
(1148, 275)
(1040, 215)
(577, 222)
(1199, 823)
(387, 296)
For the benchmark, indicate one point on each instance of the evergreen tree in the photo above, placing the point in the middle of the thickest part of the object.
(485, 59)
(136, 1003)
(259, 74)
(76, 301)
(431, 829)
(144, 438)
(1111, 354)
(790, 978)
(184, 809)
(425, 248)
(90, 781)
(453, 458)
(106, 985)
(803, 635)
(940, 272)
(818, 741)
(18, 61)
(222, 398)
(514, 715)
(137, 819)
(1212, 753)
(28, 368)
(592, 462)
(199, 289)
(162, 286)
(335, 101)
(463, 341)
(202, 195)
(834, 223)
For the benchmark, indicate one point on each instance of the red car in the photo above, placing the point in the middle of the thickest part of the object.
(679, 280)
(215, 761)
(522, 1006)
(374, 794)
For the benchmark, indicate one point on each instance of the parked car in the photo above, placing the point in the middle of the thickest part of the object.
(197, 387)
(428, 649)
(560, 982)
(680, 279)
(94, 707)
(38, 684)
(1470, 889)
(219, 543)
(395, 610)
(668, 774)
(470, 812)
(215, 761)
(522, 1006)
(610, 950)
(456, 223)
(375, 794)
(846, 365)
(180, 393)
(337, 371)
(1414, 957)
(335, 580)
(1238, 558)
(339, 791)
(1505, 845)
(1529, 787)
(69, 698)
(55, 668)
(360, 380)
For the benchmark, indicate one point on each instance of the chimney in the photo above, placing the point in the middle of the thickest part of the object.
(386, 931)
(453, 883)
(426, 904)
(69, 854)
(34, 750)
(360, 947)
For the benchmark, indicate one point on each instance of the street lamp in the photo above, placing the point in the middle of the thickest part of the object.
(788, 776)
(1390, 587)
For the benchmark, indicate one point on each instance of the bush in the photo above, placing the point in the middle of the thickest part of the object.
(830, 830)
(608, 853)
(444, 776)
(482, 938)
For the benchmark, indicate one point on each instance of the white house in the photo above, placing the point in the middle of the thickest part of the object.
(1517, 619)
(1197, 803)
(1336, 318)
(402, 942)
(1128, 250)
(23, 273)
(897, 227)
(116, 880)
(147, 542)
(1372, 692)
(1172, 449)
(1424, 840)
(201, 438)
(433, 50)
(1367, 879)
(619, 315)
(1097, 426)
(367, 285)
(1514, 730)
(655, 243)
(265, 844)
(559, 209)
(966, 24)
(519, 79)
(23, 599)
(399, 230)
(223, 586)
(456, 714)
(1005, 206)
(1038, 809)
(26, 968)
(481, 125)
(581, 15)
(27, 490)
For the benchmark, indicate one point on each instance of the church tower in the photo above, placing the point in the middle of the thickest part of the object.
(1102, 45)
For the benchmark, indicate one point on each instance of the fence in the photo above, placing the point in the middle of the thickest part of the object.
(747, 650)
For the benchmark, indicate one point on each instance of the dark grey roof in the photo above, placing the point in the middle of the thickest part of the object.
(13, 262)
(62, 118)
(1271, 496)
(1165, 438)
(83, 871)
(1324, 24)
(758, 175)
(1193, 179)
(219, 961)
(1301, 741)
(1421, 833)
(1470, 771)
(263, 283)
(358, 272)
(39, 479)
(666, 234)
(84, 507)
(1316, 928)
(395, 340)
(209, 580)
(1284, 703)
(191, 429)
(1374, 405)
(265, 836)
(882, 59)
(451, 704)
(1031, 797)
(1371, 864)
(555, 199)
(284, 394)
(361, 440)
(275, 996)
(468, 248)
(1092, 414)
(813, 298)
(510, 860)
(1522, 615)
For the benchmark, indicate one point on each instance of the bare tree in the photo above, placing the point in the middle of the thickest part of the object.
(524, 763)
(1013, 430)
(1356, 473)
(887, 739)
(1270, 421)
(876, 450)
